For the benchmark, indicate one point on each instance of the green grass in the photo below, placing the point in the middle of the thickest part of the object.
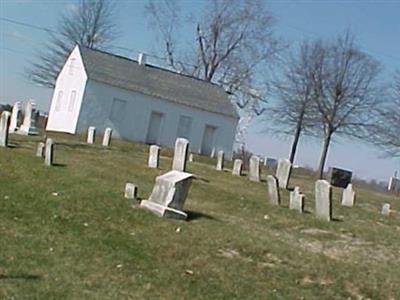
(89, 242)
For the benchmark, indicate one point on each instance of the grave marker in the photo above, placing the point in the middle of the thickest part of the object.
(40, 152)
(220, 161)
(323, 200)
(107, 137)
(237, 167)
(154, 156)
(130, 191)
(283, 173)
(15, 116)
(273, 190)
(348, 196)
(254, 168)
(296, 200)
(180, 154)
(49, 152)
(91, 135)
(28, 126)
(4, 126)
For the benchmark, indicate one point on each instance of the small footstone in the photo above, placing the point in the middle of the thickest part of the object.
(220, 161)
(237, 167)
(40, 152)
(254, 168)
(348, 196)
(48, 158)
(273, 190)
(130, 191)
(91, 135)
(296, 201)
(107, 137)
(323, 200)
(154, 156)
(386, 209)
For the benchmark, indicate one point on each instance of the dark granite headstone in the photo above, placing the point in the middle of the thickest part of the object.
(271, 163)
(339, 177)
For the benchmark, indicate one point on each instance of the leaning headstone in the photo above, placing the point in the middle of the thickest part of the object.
(107, 137)
(339, 177)
(40, 152)
(273, 190)
(180, 154)
(254, 168)
(386, 209)
(283, 173)
(91, 135)
(323, 200)
(169, 194)
(28, 126)
(49, 152)
(4, 125)
(237, 167)
(348, 196)
(296, 200)
(15, 116)
(154, 156)
(220, 161)
(394, 184)
(130, 191)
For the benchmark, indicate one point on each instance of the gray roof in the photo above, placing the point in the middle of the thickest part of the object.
(154, 81)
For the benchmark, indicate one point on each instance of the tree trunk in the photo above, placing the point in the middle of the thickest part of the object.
(296, 137)
(324, 154)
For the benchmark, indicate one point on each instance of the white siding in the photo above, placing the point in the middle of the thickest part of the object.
(67, 96)
(133, 123)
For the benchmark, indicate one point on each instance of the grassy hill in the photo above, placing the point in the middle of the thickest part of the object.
(67, 232)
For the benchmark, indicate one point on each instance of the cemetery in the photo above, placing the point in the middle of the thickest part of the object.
(118, 219)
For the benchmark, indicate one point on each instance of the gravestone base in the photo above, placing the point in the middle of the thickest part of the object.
(163, 211)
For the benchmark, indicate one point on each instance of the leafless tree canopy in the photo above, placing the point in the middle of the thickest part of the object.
(231, 41)
(345, 89)
(89, 24)
(386, 133)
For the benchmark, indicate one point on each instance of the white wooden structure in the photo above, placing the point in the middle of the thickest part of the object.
(140, 102)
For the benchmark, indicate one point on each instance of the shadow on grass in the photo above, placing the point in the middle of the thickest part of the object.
(201, 179)
(19, 277)
(59, 165)
(194, 215)
(336, 219)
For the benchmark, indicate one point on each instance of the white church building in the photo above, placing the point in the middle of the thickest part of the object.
(140, 102)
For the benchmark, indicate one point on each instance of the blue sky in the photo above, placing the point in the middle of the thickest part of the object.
(375, 23)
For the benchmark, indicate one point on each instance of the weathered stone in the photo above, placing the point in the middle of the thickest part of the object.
(49, 152)
(4, 125)
(28, 126)
(394, 185)
(15, 117)
(296, 200)
(212, 154)
(348, 196)
(386, 209)
(237, 167)
(130, 191)
(154, 156)
(180, 154)
(40, 152)
(107, 137)
(254, 168)
(323, 200)
(190, 157)
(91, 135)
(273, 190)
(283, 173)
(220, 161)
(339, 177)
(169, 194)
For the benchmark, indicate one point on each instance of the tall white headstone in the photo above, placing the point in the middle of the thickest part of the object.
(15, 116)
(91, 135)
(323, 200)
(283, 173)
(348, 196)
(180, 154)
(154, 156)
(237, 167)
(28, 126)
(254, 168)
(4, 126)
(107, 137)
(220, 160)
(49, 152)
(273, 190)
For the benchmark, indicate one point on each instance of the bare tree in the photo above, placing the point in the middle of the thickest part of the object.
(386, 133)
(232, 41)
(345, 92)
(90, 24)
(294, 112)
